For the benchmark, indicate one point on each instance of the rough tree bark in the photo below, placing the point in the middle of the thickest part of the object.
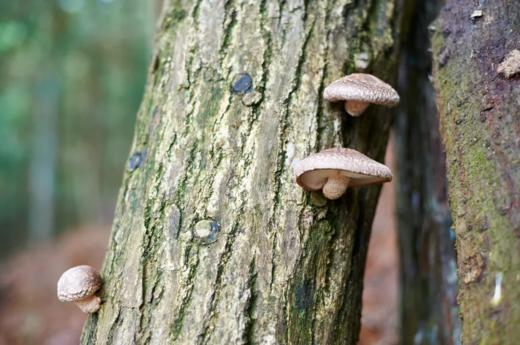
(480, 126)
(277, 265)
(429, 313)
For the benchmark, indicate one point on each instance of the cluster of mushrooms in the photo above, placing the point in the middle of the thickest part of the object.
(333, 170)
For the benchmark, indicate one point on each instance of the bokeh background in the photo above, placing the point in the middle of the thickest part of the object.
(72, 73)
(72, 76)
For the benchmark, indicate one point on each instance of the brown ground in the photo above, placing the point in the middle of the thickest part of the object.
(31, 314)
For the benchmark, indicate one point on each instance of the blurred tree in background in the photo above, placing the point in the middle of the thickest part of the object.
(72, 75)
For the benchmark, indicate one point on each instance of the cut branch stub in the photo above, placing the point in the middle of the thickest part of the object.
(206, 231)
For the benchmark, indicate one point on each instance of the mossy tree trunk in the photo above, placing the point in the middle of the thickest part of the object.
(278, 265)
(480, 125)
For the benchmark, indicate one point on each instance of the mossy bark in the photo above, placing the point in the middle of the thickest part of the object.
(278, 265)
(480, 126)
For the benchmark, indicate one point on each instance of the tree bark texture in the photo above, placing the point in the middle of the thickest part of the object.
(428, 278)
(480, 126)
(213, 242)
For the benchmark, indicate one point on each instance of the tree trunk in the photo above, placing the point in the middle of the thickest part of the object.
(213, 242)
(480, 126)
(429, 313)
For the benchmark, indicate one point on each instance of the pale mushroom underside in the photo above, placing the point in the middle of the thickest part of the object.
(315, 179)
(312, 172)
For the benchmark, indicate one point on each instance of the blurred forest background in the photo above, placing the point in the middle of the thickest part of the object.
(73, 73)
(72, 77)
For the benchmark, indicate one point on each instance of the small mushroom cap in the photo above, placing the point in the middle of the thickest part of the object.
(77, 283)
(361, 87)
(312, 172)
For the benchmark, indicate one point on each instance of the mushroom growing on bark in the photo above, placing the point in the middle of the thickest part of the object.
(333, 170)
(358, 90)
(79, 285)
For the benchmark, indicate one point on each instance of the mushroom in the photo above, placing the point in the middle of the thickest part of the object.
(79, 285)
(358, 90)
(333, 170)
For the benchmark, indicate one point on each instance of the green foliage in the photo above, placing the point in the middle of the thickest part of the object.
(12, 34)
(78, 67)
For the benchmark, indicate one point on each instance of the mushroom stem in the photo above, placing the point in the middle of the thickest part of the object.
(89, 305)
(335, 186)
(355, 108)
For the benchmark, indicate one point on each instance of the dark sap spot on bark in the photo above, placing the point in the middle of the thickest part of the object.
(243, 83)
(136, 160)
(304, 295)
(206, 231)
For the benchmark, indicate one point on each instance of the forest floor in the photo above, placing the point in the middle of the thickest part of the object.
(31, 314)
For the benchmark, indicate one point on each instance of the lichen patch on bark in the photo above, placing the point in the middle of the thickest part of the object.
(511, 64)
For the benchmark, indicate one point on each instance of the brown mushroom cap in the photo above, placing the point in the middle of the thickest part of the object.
(78, 283)
(361, 87)
(313, 172)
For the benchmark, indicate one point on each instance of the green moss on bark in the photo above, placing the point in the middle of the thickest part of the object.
(482, 147)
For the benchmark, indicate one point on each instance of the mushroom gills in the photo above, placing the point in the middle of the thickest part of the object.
(355, 108)
(335, 186)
